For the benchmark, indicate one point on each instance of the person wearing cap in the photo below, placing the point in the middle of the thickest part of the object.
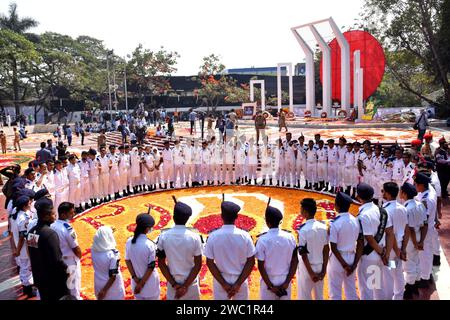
(311, 166)
(74, 174)
(188, 154)
(168, 165)
(300, 161)
(124, 168)
(348, 179)
(398, 167)
(346, 249)
(49, 270)
(252, 158)
(366, 164)
(140, 258)
(290, 159)
(276, 252)
(94, 172)
(377, 161)
(108, 280)
(61, 183)
(230, 256)
(197, 161)
(148, 168)
(85, 182)
(39, 197)
(417, 224)
(428, 150)
(104, 167)
(377, 230)
(360, 157)
(205, 156)
(135, 169)
(314, 252)
(180, 256)
(265, 152)
(322, 166)
(416, 145)
(69, 246)
(429, 199)
(19, 226)
(342, 149)
(216, 161)
(178, 161)
(394, 280)
(280, 163)
(228, 174)
(240, 162)
(114, 173)
(332, 167)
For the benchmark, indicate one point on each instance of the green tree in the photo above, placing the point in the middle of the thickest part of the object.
(19, 26)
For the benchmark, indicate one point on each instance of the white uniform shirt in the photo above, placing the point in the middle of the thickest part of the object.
(180, 245)
(333, 155)
(115, 158)
(417, 215)
(178, 156)
(252, 155)
(187, 152)
(301, 153)
(124, 164)
(93, 168)
(104, 164)
(230, 248)
(142, 255)
(349, 159)
(341, 154)
(276, 248)
(21, 224)
(322, 155)
(67, 238)
(290, 153)
(105, 264)
(409, 173)
(61, 180)
(344, 232)
(74, 173)
(311, 156)
(313, 236)
(84, 169)
(197, 159)
(377, 165)
(398, 168)
(49, 182)
(240, 156)
(429, 200)
(205, 155)
(369, 217)
(436, 184)
(399, 218)
(229, 154)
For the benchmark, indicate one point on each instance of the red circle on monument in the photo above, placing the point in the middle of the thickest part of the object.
(373, 62)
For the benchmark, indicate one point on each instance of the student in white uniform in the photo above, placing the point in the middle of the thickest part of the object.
(230, 256)
(20, 220)
(135, 168)
(129, 180)
(394, 280)
(266, 162)
(85, 182)
(50, 178)
(140, 257)
(228, 172)
(61, 184)
(276, 251)
(108, 280)
(180, 256)
(189, 169)
(94, 173)
(240, 162)
(252, 157)
(114, 174)
(68, 244)
(346, 247)
(311, 166)
(349, 166)
(417, 223)
(360, 156)
(214, 165)
(300, 161)
(205, 155)
(197, 160)
(148, 168)
(409, 170)
(124, 168)
(342, 149)
(377, 230)
(429, 200)
(314, 251)
(322, 172)
(178, 161)
(332, 168)
(104, 166)
(290, 159)
(398, 167)
(377, 171)
(157, 173)
(279, 163)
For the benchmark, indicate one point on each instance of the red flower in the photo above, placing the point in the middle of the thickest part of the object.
(210, 223)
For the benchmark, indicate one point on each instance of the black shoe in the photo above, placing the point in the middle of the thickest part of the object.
(165, 186)
(29, 291)
(288, 186)
(408, 294)
(128, 190)
(263, 182)
(160, 186)
(306, 185)
(256, 183)
(86, 206)
(415, 289)
(423, 284)
(436, 260)
(187, 184)
(171, 186)
(270, 182)
(282, 184)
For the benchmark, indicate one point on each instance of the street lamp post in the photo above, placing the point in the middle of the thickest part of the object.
(109, 85)
(126, 91)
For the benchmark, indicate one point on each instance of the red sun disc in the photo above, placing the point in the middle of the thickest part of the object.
(373, 61)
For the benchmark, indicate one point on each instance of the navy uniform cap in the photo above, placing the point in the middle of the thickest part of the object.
(43, 202)
(410, 190)
(422, 179)
(230, 208)
(26, 192)
(182, 210)
(274, 213)
(343, 199)
(365, 191)
(40, 194)
(331, 141)
(145, 220)
(22, 200)
(19, 184)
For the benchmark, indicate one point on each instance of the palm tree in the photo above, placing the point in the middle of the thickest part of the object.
(13, 22)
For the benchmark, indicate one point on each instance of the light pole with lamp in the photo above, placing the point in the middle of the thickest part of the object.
(109, 84)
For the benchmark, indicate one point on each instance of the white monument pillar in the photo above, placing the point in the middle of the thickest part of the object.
(291, 86)
(310, 85)
(358, 84)
(263, 92)
(345, 65)
(326, 70)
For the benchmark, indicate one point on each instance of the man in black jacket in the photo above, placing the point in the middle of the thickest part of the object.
(49, 270)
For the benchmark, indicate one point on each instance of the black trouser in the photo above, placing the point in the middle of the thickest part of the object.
(82, 139)
(444, 179)
(69, 140)
(192, 127)
(421, 134)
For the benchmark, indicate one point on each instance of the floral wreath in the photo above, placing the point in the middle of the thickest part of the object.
(308, 114)
(324, 115)
(342, 114)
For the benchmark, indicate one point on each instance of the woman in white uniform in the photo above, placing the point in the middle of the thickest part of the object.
(140, 257)
(108, 281)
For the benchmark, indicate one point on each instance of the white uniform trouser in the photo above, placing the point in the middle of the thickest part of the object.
(281, 171)
(60, 197)
(75, 193)
(412, 265)
(290, 172)
(74, 279)
(124, 179)
(311, 172)
(104, 184)
(157, 176)
(94, 181)
(337, 276)
(322, 171)
(227, 174)
(301, 169)
(341, 174)
(266, 294)
(178, 172)
(332, 174)
(370, 278)
(25, 274)
(436, 245)
(221, 294)
(394, 281)
(189, 172)
(168, 172)
(149, 177)
(377, 185)
(266, 170)
(239, 171)
(198, 172)
(355, 177)
(193, 292)
(348, 177)
(205, 176)
(426, 256)
(85, 189)
(114, 181)
(305, 284)
(252, 171)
